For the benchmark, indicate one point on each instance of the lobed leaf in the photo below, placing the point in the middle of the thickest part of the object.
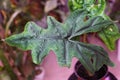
(58, 37)
(109, 36)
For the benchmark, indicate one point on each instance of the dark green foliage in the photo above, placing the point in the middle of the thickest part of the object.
(59, 38)
(96, 8)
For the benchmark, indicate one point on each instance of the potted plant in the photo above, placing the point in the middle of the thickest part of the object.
(63, 39)
(96, 8)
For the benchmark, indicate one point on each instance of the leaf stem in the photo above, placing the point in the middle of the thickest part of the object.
(117, 21)
(2, 40)
(84, 38)
(89, 73)
(11, 20)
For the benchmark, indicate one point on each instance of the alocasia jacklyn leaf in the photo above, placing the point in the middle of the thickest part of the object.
(97, 8)
(107, 34)
(110, 35)
(59, 38)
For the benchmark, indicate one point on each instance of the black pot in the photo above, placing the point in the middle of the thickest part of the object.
(81, 74)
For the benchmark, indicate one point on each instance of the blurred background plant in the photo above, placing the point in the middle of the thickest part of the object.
(14, 63)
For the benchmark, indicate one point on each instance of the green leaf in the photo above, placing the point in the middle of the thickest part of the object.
(98, 10)
(59, 38)
(94, 7)
(109, 36)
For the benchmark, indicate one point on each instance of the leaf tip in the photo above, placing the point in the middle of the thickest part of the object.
(111, 64)
(49, 18)
(35, 62)
(68, 64)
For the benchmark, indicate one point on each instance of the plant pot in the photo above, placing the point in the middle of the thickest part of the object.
(81, 74)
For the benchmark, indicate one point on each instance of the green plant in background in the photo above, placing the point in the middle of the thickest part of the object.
(97, 8)
(94, 7)
(60, 37)
(13, 16)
